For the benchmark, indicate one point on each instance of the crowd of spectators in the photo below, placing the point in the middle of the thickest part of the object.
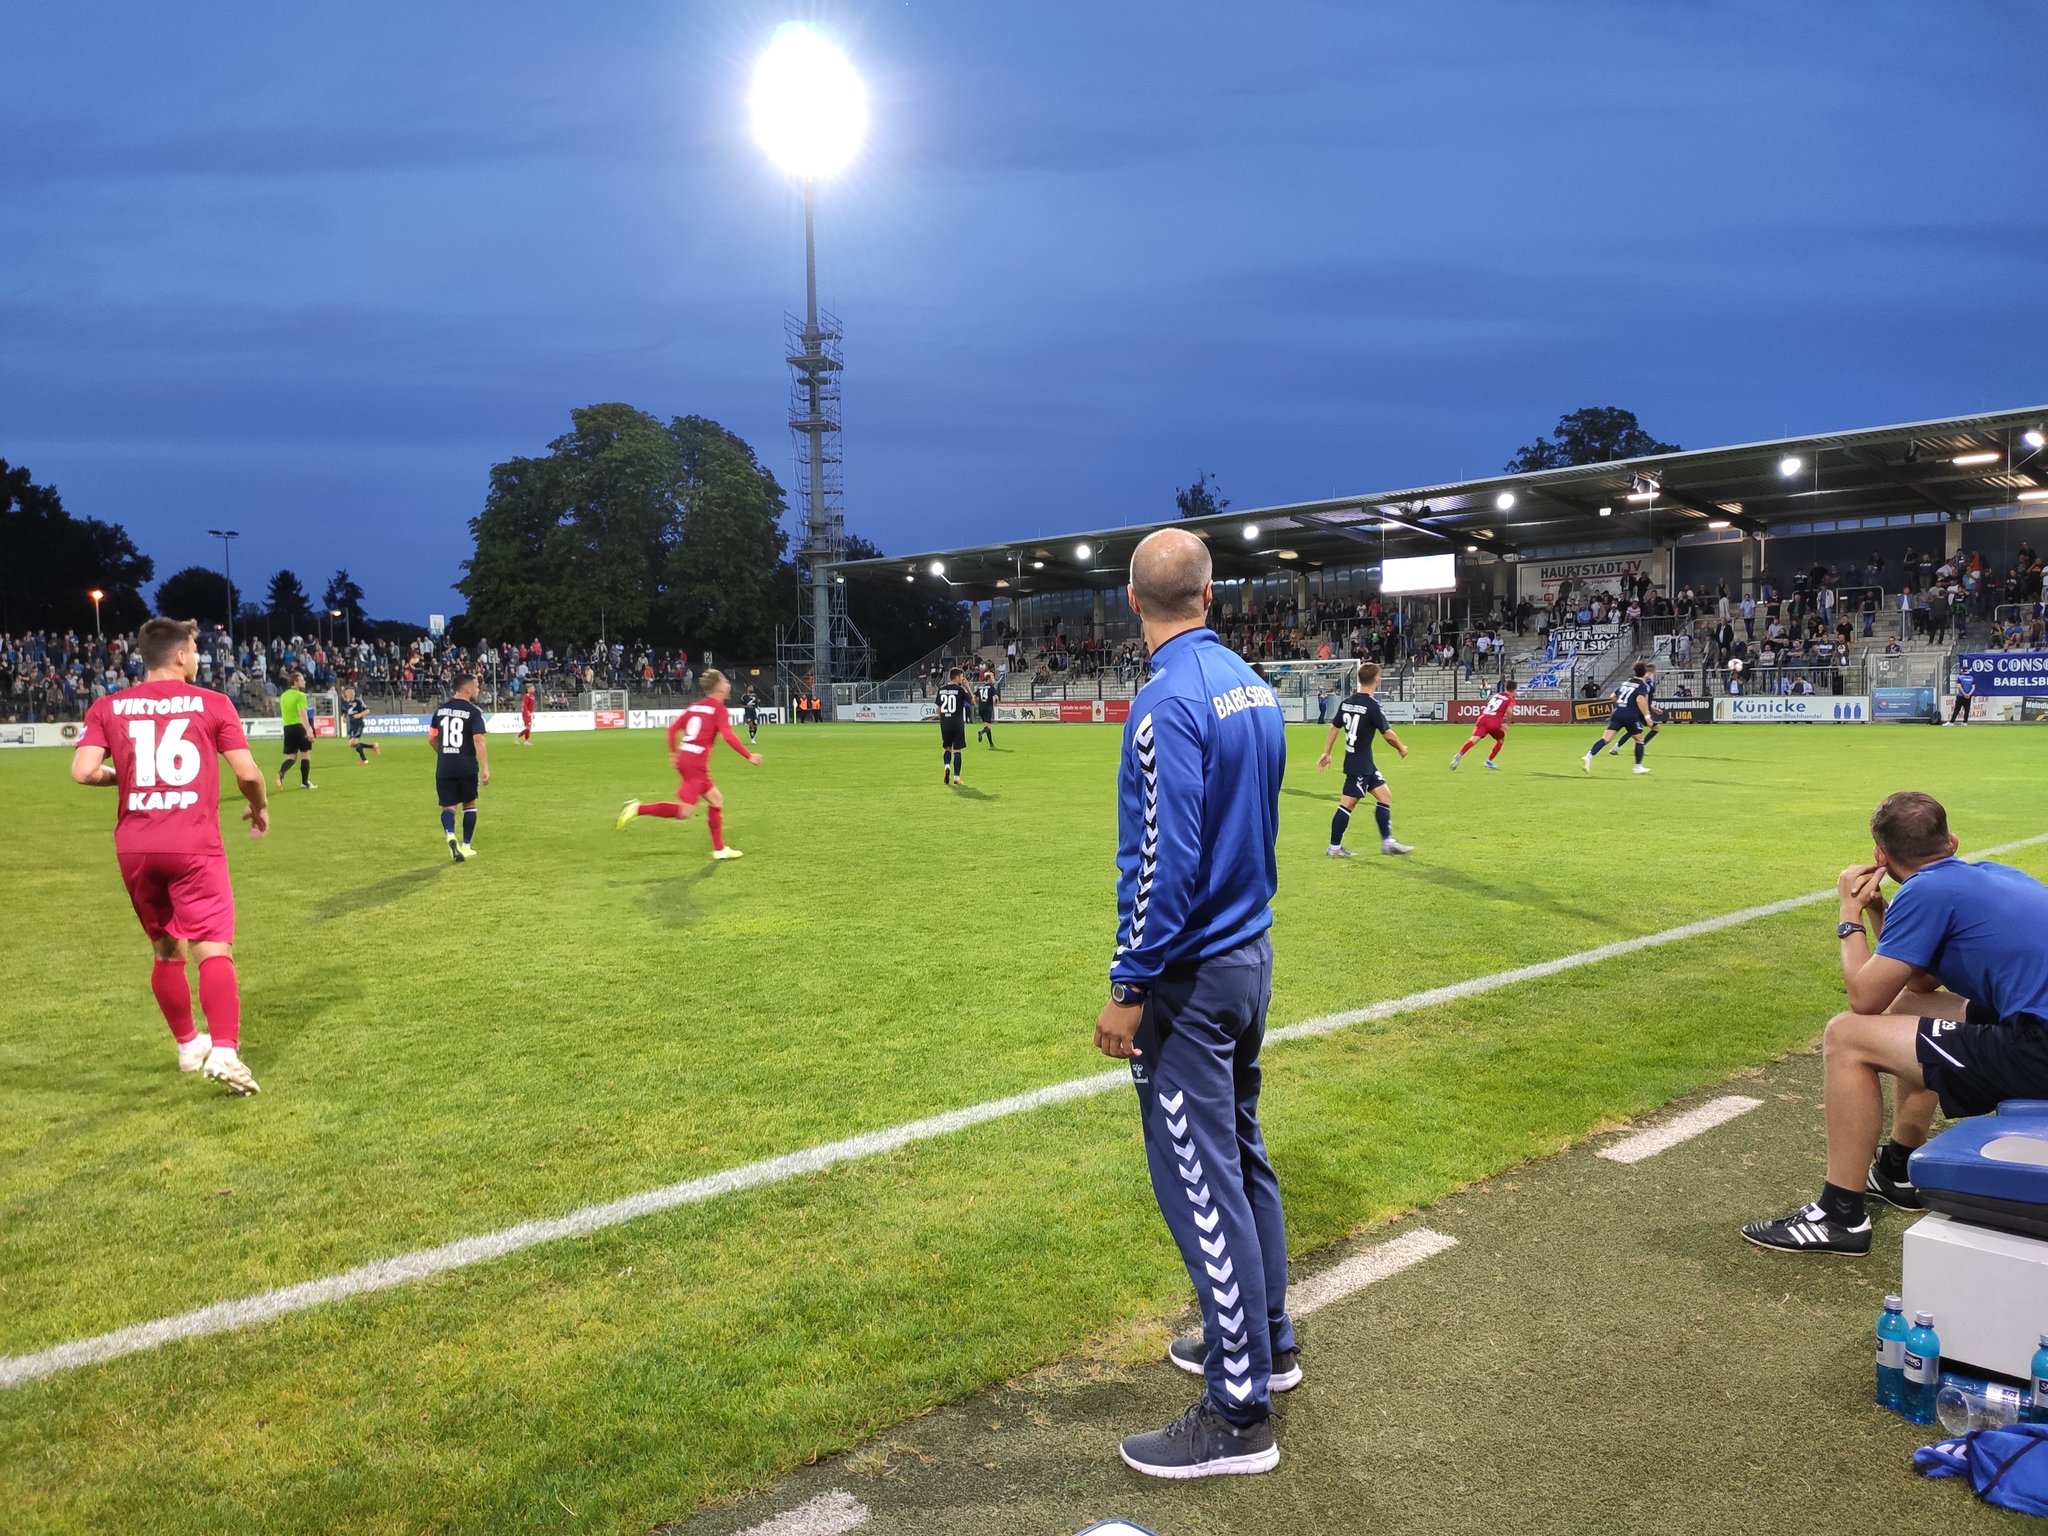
(46, 676)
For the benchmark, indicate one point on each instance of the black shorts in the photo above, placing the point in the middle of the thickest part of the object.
(1621, 722)
(988, 717)
(953, 737)
(1974, 1064)
(455, 788)
(296, 739)
(1359, 786)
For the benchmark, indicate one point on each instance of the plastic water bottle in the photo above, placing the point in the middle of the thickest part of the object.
(2036, 1410)
(1970, 1402)
(1891, 1355)
(1923, 1369)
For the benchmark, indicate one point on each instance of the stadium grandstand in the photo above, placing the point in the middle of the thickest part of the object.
(1868, 556)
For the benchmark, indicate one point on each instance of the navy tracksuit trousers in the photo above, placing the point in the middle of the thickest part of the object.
(1198, 1094)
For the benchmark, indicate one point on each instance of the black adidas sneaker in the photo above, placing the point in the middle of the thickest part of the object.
(1810, 1230)
(1202, 1443)
(1898, 1192)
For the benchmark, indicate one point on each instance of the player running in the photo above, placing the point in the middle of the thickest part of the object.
(956, 704)
(690, 739)
(355, 712)
(526, 707)
(750, 714)
(166, 736)
(1635, 714)
(1492, 721)
(462, 764)
(985, 705)
(298, 732)
(1359, 720)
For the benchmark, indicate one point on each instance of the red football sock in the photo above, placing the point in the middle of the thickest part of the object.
(1465, 748)
(669, 808)
(220, 994)
(715, 818)
(173, 989)
(1496, 751)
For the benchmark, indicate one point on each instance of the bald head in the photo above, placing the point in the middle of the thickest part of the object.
(1170, 573)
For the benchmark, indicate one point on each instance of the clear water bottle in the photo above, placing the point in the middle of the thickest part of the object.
(1923, 1369)
(1891, 1355)
(1970, 1402)
(2036, 1409)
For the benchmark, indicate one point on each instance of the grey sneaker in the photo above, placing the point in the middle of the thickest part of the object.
(1339, 851)
(1202, 1443)
(1388, 845)
(1191, 1355)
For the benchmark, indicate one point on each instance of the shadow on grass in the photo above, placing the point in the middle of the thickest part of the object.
(380, 894)
(672, 898)
(969, 792)
(1492, 889)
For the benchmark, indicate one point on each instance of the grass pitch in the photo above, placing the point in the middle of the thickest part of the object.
(581, 1014)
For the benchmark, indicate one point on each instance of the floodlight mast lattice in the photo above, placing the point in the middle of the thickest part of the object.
(809, 114)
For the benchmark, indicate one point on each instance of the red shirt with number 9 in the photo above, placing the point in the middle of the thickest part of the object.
(165, 740)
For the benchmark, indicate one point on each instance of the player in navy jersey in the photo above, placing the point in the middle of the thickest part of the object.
(462, 764)
(956, 705)
(1359, 720)
(1635, 714)
(985, 705)
(355, 712)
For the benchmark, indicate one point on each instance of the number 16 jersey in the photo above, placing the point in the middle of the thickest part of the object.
(165, 740)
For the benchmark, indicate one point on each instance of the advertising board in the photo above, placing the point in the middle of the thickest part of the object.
(1669, 711)
(1815, 708)
(1525, 712)
(1902, 704)
(2006, 674)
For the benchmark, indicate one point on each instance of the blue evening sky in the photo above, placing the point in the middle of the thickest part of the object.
(308, 270)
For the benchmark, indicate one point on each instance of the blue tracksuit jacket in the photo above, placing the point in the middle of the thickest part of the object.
(1198, 809)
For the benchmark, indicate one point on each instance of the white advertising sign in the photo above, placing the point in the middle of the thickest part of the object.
(1823, 708)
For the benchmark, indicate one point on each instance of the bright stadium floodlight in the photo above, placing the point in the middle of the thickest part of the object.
(938, 567)
(1504, 500)
(2034, 438)
(1251, 531)
(1082, 551)
(1965, 460)
(1717, 522)
(1790, 466)
(810, 109)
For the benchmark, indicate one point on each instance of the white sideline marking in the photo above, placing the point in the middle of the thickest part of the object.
(1361, 1270)
(1694, 1122)
(383, 1274)
(829, 1514)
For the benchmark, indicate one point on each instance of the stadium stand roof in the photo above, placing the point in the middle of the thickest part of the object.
(1951, 466)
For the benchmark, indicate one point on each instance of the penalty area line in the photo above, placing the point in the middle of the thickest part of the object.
(405, 1269)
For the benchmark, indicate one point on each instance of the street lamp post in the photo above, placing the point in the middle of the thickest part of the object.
(810, 112)
(96, 594)
(226, 537)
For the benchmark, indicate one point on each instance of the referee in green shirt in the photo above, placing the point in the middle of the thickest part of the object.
(298, 732)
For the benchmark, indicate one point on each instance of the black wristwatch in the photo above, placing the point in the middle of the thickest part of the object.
(1843, 930)
(1124, 995)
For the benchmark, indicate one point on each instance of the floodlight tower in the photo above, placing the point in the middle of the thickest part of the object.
(810, 112)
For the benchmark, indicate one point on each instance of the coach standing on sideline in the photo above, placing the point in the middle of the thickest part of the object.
(1198, 809)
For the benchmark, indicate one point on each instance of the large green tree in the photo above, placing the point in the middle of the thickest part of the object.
(345, 595)
(627, 526)
(50, 561)
(721, 590)
(196, 592)
(287, 603)
(1594, 434)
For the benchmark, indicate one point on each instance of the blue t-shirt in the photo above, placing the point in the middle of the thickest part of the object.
(1980, 929)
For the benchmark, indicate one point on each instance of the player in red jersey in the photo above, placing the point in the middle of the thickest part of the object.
(1492, 721)
(166, 737)
(690, 739)
(526, 717)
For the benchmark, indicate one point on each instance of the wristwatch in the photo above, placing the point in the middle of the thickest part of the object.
(1843, 930)
(1124, 995)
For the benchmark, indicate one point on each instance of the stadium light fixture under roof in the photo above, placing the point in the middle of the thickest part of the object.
(1790, 465)
(1251, 531)
(1964, 460)
(2034, 438)
(1505, 500)
(809, 108)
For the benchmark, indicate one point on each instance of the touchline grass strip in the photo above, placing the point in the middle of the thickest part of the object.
(384, 1274)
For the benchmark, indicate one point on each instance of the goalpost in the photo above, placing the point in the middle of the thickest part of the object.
(605, 698)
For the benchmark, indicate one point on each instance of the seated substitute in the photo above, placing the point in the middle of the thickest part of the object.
(1952, 1005)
